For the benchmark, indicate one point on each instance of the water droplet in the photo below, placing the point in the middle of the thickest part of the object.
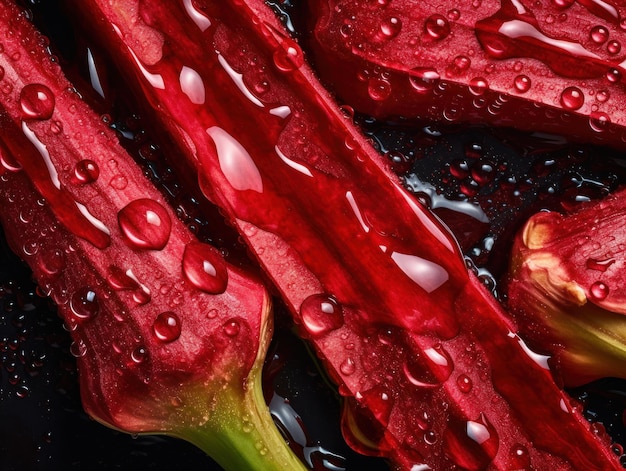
(428, 369)
(599, 121)
(288, 56)
(603, 95)
(520, 458)
(84, 304)
(145, 224)
(321, 314)
(37, 101)
(478, 86)
(86, 171)
(464, 383)
(472, 444)
(614, 47)
(52, 262)
(599, 290)
(205, 268)
(139, 355)
(347, 367)
(430, 437)
(599, 34)
(378, 89)
(572, 98)
(119, 182)
(232, 327)
(423, 80)
(437, 27)
(390, 27)
(614, 75)
(167, 326)
(522, 83)
(78, 349)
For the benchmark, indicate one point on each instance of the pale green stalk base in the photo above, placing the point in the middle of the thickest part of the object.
(241, 435)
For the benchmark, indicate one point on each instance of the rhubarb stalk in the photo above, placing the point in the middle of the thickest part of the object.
(549, 67)
(431, 370)
(169, 337)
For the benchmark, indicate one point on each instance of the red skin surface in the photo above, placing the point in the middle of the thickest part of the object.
(147, 338)
(426, 359)
(548, 67)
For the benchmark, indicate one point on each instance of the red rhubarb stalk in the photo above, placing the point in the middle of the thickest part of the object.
(169, 337)
(566, 288)
(548, 67)
(432, 372)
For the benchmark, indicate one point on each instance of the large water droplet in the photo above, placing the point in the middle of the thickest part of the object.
(522, 83)
(167, 326)
(437, 27)
(232, 327)
(37, 101)
(378, 88)
(599, 290)
(288, 56)
(390, 27)
(205, 268)
(86, 171)
(321, 314)
(145, 224)
(572, 98)
(52, 262)
(599, 34)
(84, 304)
(423, 80)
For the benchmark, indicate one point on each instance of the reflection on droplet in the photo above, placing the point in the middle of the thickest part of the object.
(437, 27)
(37, 101)
(192, 85)
(599, 290)
(145, 223)
(235, 162)
(205, 267)
(86, 171)
(428, 275)
(572, 98)
(321, 314)
(167, 326)
(84, 304)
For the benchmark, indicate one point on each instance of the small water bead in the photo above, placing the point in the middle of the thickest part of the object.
(520, 458)
(599, 290)
(167, 326)
(423, 80)
(232, 327)
(454, 14)
(37, 101)
(437, 27)
(599, 34)
(572, 98)
(478, 86)
(86, 171)
(390, 27)
(52, 262)
(78, 349)
(205, 268)
(347, 367)
(522, 83)
(321, 314)
(430, 437)
(603, 95)
(145, 224)
(614, 75)
(599, 121)
(139, 355)
(288, 56)
(378, 88)
(119, 182)
(614, 47)
(464, 383)
(84, 304)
